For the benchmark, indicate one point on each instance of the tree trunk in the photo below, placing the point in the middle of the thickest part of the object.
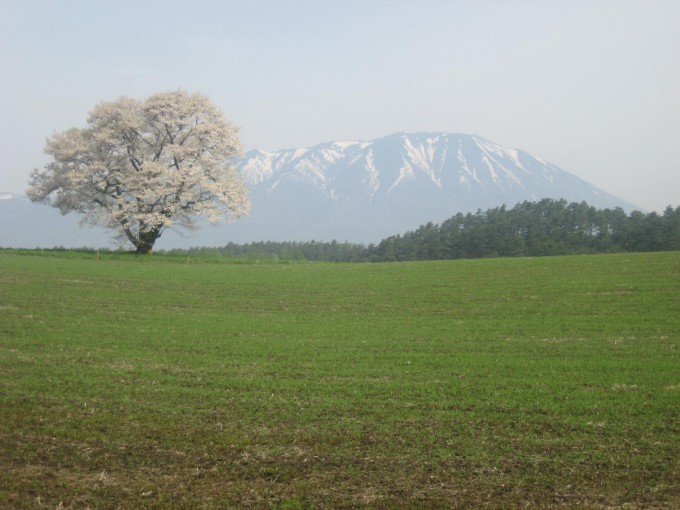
(144, 248)
(145, 240)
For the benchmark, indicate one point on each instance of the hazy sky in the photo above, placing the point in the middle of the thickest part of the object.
(591, 86)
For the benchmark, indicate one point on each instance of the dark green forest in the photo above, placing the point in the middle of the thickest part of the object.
(529, 229)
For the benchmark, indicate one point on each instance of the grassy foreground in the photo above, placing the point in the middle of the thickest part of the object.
(536, 382)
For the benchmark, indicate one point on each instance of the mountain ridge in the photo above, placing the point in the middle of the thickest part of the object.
(400, 181)
(427, 156)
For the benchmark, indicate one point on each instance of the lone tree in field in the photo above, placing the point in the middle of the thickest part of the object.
(143, 166)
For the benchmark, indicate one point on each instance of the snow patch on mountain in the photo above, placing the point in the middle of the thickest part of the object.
(11, 196)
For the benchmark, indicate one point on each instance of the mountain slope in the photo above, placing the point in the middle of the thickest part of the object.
(359, 191)
(363, 191)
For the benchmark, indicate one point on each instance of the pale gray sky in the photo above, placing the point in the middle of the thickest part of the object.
(592, 86)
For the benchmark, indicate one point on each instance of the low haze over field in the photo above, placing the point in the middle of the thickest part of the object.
(591, 87)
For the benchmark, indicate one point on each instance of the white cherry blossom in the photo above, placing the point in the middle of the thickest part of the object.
(140, 167)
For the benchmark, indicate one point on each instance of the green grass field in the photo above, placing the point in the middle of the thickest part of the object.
(164, 383)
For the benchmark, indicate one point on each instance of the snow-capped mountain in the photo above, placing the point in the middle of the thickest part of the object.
(364, 191)
(358, 191)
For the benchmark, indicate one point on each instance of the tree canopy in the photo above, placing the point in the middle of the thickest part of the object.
(140, 167)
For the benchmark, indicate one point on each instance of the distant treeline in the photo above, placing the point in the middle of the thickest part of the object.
(548, 227)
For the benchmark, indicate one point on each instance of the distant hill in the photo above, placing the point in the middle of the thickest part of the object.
(24, 224)
(359, 191)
